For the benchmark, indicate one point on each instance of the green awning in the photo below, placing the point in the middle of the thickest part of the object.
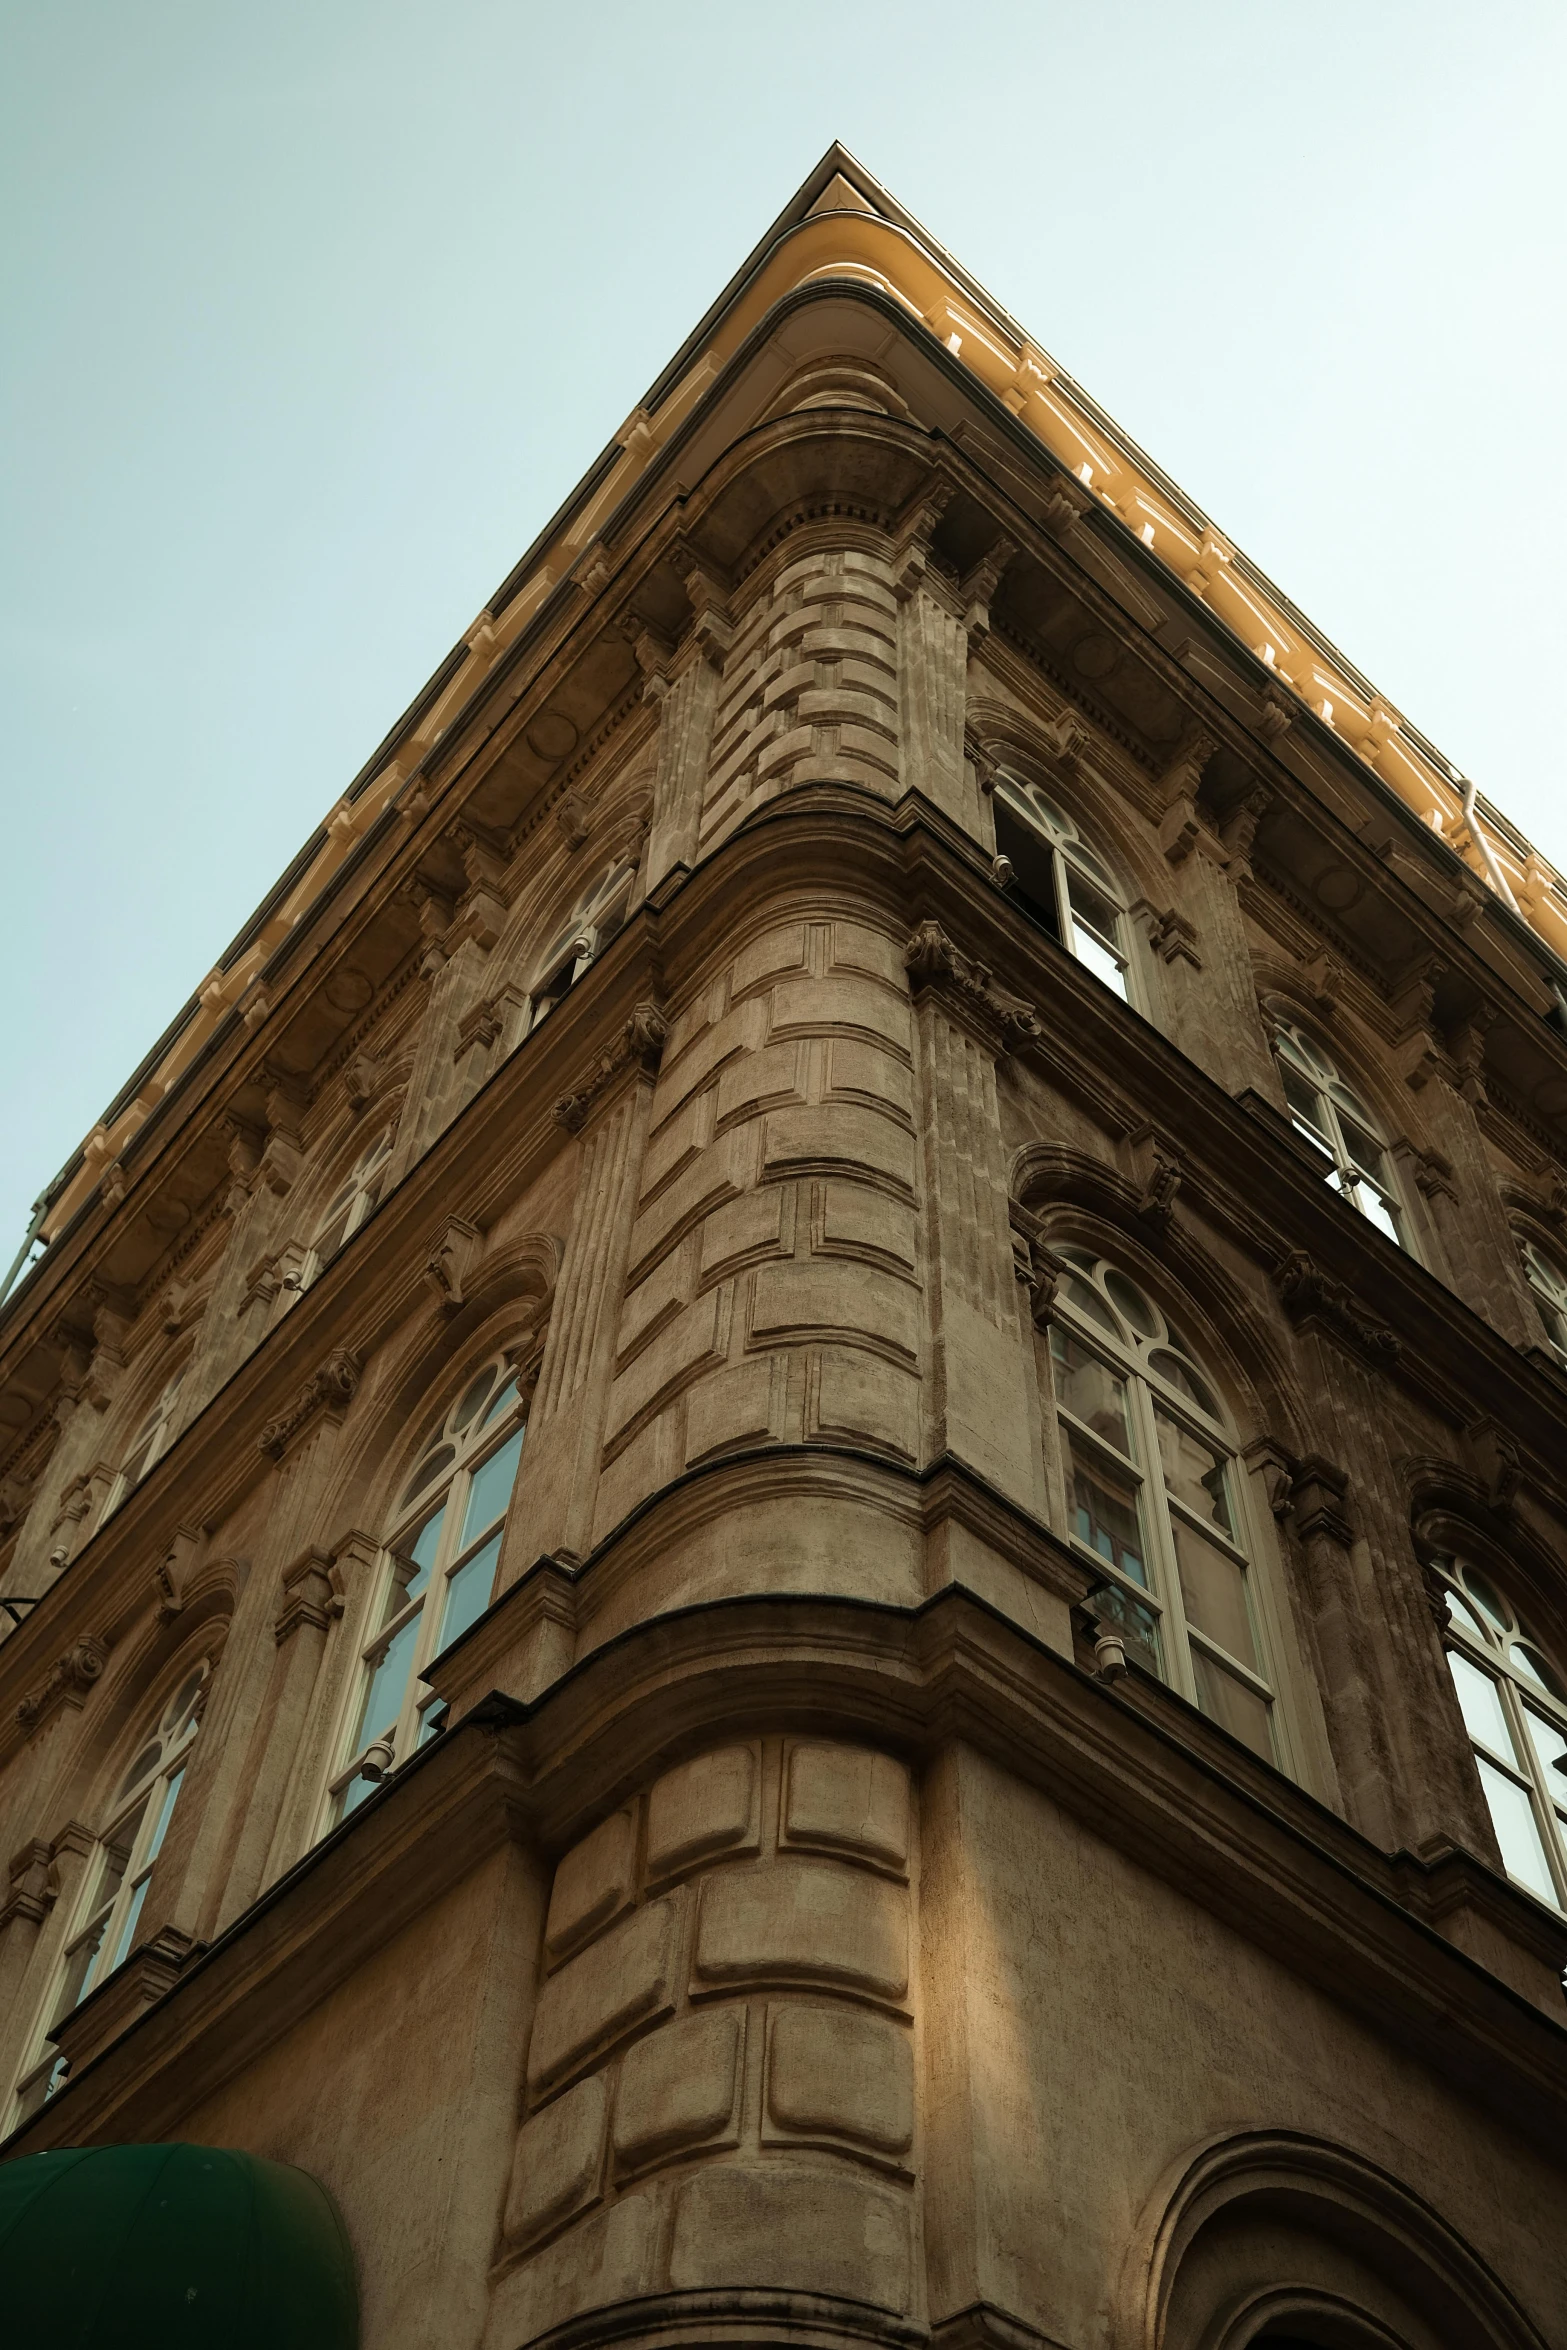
(171, 2248)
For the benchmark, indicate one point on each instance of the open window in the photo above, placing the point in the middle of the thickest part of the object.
(153, 1436)
(437, 1575)
(599, 913)
(1060, 881)
(1323, 1108)
(1549, 1284)
(114, 1887)
(1514, 1703)
(1154, 1497)
(352, 1204)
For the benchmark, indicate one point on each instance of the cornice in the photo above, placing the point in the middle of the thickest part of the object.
(1153, 1779)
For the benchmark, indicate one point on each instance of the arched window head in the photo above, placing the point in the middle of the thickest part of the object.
(1154, 1496)
(152, 1438)
(598, 914)
(1549, 1284)
(1323, 1108)
(114, 1887)
(437, 1574)
(1514, 1705)
(351, 1205)
(1060, 880)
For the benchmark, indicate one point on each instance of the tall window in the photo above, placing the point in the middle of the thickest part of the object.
(1153, 1497)
(350, 1205)
(1338, 1122)
(1515, 1709)
(1060, 881)
(115, 1885)
(599, 913)
(1549, 1284)
(438, 1573)
(150, 1440)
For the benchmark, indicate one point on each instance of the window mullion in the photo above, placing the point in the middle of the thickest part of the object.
(1162, 1540)
(1528, 1766)
(446, 1550)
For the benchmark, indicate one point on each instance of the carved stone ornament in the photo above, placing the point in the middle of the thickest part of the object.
(329, 1389)
(1159, 1175)
(640, 1046)
(1495, 1460)
(1276, 715)
(312, 1595)
(573, 814)
(69, 1679)
(933, 960)
(34, 1886)
(452, 1260)
(1309, 1294)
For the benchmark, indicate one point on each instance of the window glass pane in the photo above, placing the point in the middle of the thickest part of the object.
(1033, 881)
(1088, 949)
(500, 1402)
(1213, 1592)
(1195, 1471)
(1104, 1509)
(125, 1940)
(354, 1795)
(1537, 1668)
(1459, 1613)
(1482, 1705)
(473, 1396)
(1183, 1378)
(1087, 1300)
(81, 1969)
(1087, 1387)
(1137, 1625)
(331, 1237)
(1512, 1816)
(160, 1826)
(388, 1682)
(1376, 1210)
(1132, 1304)
(489, 1488)
(1485, 1594)
(177, 1713)
(1305, 1104)
(468, 1592)
(1092, 909)
(1550, 1746)
(422, 1551)
(146, 1761)
(1227, 1700)
(1364, 1149)
(430, 1467)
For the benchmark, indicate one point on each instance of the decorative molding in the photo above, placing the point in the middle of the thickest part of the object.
(1310, 1295)
(330, 1389)
(1171, 936)
(312, 1595)
(640, 1047)
(1495, 1460)
(1158, 1174)
(173, 1574)
(934, 962)
(68, 1681)
(452, 1260)
(34, 1885)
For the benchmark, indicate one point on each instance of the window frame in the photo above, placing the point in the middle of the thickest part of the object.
(1151, 1393)
(1520, 1693)
(356, 1199)
(150, 1800)
(1295, 1052)
(1070, 855)
(598, 917)
(396, 1606)
(1548, 1288)
(154, 1434)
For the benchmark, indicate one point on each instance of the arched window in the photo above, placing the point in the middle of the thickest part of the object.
(439, 1569)
(114, 1887)
(1338, 1122)
(1153, 1496)
(150, 1440)
(1514, 1705)
(1549, 1284)
(351, 1205)
(1060, 881)
(599, 913)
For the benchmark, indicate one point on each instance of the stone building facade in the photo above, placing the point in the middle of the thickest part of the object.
(785, 1518)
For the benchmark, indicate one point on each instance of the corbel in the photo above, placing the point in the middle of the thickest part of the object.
(1494, 1459)
(1038, 1269)
(479, 1027)
(1276, 714)
(312, 1595)
(913, 535)
(1157, 1173)
(283, 1152)
(711, 629)
(1171, 935)
(1238, 831)
(1067, 503)
(34, 1884)
(573, 815)
(1323, 981)
(986, 769)
(977, 589)
(1466, 1043)
(1434, 1175)
(653, 653)
(1310, 1295)
(362, 1075)
(329, 1391)
(175, 1571)
(244, 1141)
(69, 1680)
(433, 907)
(1270, 1461)
(1068, 739)
(181, 1306)
(453, 1259)
(1318, 1501)
(640, 1047)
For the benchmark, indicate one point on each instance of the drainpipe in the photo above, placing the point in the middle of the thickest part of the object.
(1487, 853)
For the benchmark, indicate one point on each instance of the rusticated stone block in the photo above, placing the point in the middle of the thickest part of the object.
(838, 1134)
(803, 1918)
(679, 1349)
(850, 1799)
(760, 1081)
(742, 1030)
(815, 1004)
(856, 1068)
(607, 2257)
(592, 1884)
(653, 1303)
(555, 2170)
(677, 2088)
(723, 1169)
(792, 1299)
(747, 1227)
(856, 1219)
(859, 1397)
(622, 1980)
(856, 948)
(676, 1144)
(703, 1808)
(779, 950)
(840, 2071)
(800, 2229)
(734, 1406)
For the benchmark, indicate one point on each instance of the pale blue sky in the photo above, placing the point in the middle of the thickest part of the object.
(313, 313)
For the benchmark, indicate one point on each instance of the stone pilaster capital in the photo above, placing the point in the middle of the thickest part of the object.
(329, 1390)
(639, 1047)
(68, 1680)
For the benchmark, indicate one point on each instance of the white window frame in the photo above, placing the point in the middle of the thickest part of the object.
(354, 1201)
(1549, 1284)
(104, 1919)
(1514, 1742)
(1305, 1065)
(1156, 1616)
(413, 1597)
(598, 916)
(1102, 947)
(154, 1433)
